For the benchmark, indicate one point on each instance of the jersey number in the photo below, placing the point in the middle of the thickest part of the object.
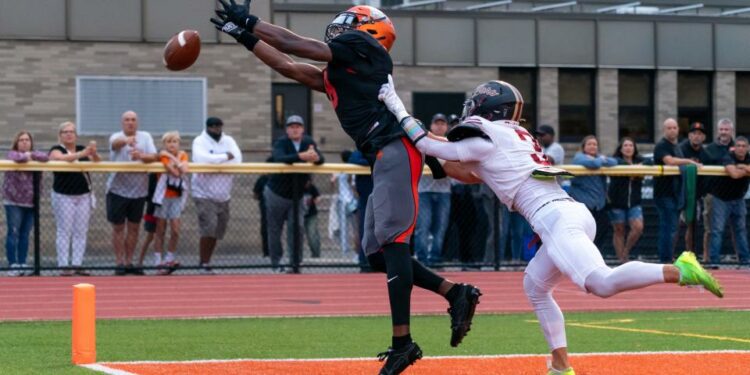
(538, 156)
(330, 90)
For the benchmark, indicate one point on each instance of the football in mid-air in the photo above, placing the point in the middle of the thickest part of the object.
(182, 50)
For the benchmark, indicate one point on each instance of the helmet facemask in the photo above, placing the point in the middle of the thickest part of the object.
(345, 21)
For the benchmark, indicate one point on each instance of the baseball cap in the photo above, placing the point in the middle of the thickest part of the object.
(439, 117)
(295, 119)
(544, 129)
(697, 126)
(214, 121)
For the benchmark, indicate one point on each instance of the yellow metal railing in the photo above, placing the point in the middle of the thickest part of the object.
(328, 168)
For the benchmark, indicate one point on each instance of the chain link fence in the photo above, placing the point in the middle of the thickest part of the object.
(479, 232)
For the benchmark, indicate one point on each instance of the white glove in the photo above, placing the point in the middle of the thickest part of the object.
(388, 96)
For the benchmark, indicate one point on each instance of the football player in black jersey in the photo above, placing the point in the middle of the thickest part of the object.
(356, 51)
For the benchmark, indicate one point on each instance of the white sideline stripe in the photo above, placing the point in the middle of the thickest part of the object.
(107, 370)
(431, 358)
(181, 38)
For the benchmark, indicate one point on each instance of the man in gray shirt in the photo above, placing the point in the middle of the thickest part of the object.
(127, 192)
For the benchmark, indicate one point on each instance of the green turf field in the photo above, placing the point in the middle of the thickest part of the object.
(44, 347)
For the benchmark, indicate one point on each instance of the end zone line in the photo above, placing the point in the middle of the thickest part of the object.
(107, 370)
(657, 332)
(490, 356)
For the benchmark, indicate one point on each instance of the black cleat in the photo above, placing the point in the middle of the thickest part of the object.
(399, 360)
(462, 311)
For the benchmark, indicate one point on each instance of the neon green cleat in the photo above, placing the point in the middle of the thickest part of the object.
(567, 371)
(692, 273)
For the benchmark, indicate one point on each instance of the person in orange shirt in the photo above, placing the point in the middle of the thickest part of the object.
(170, 194)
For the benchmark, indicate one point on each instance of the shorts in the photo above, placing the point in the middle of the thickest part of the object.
(170, 208)
(622, 215)
(149, 223)
(213, 217)
(121, 208)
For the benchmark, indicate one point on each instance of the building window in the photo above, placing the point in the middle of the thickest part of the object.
(743, 103)
(426, 104)
(694, 102)
(576, 89)
(162, 104)
(635, 93)
(524, 79)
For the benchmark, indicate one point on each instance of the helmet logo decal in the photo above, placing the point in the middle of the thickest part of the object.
(487, 91)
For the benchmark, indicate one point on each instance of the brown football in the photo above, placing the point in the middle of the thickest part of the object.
(182, 50)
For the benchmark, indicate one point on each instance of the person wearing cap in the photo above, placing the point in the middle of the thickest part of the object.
(283, 189)
(212, 191)
(546, 136)
(434, 207)
(694, 149)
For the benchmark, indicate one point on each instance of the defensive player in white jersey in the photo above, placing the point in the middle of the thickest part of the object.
(490, 145)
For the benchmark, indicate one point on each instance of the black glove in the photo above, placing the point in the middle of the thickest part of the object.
(241, 35)
(237, 14)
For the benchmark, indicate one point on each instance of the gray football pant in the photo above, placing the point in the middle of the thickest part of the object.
(391, 212)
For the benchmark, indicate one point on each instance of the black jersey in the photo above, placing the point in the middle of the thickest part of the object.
(360, 65)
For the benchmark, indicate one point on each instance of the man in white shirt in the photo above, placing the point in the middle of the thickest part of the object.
(212, 191)
(127, 192)
(490, 145)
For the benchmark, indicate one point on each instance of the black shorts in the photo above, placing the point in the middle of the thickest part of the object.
(149, 223)
(120, 208)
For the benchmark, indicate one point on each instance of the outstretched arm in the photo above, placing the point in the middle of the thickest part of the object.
(288, 42)
(306, 74)
(278, 37)
(470, 149)
(461, 173)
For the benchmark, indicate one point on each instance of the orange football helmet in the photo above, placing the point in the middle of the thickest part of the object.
(365, 18)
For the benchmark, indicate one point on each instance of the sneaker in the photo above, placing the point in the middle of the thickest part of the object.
(169, 268)
(120, 270)
(567, 371)
(398, 360)
(67, 272)
(13, 272)
(462, 311)
(137, 270)
(206, 269)
(692, 273)
(81, 272)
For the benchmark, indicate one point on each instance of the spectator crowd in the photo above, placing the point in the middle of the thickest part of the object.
(456, 222)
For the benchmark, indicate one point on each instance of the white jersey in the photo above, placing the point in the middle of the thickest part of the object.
(506, 168)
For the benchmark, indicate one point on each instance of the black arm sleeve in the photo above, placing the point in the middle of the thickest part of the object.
(437, 170)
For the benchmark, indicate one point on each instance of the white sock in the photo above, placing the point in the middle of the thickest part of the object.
(547, 312)
(169, 257)
(157, 258)
(606, 282)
